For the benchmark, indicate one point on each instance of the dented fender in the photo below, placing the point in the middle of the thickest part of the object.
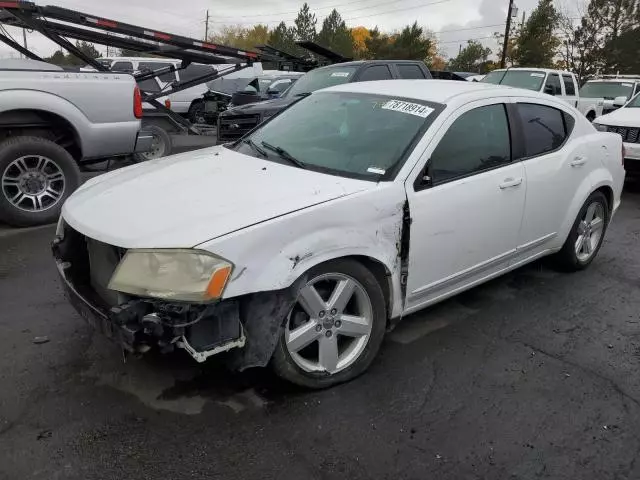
(270, 256)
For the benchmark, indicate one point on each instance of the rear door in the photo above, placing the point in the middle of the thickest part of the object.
(409, 71)
(553, 86)
(555, 165)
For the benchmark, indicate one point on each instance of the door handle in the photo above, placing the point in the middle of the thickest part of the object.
(578, 161)
(510, 183)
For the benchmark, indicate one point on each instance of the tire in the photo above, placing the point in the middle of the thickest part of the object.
(196, 112)
(36, 177)
(161, 146)
(568, 259)
(328, 328)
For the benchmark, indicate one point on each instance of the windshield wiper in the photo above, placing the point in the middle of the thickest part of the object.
(255, 146)
(284, 154)
(303, 94)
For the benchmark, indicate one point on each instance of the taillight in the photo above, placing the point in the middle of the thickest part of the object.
(137, 103)
(167, 103)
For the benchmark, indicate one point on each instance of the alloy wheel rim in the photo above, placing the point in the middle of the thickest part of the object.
(590, 230)
(157, 148)
(330, 324)
(33, 183)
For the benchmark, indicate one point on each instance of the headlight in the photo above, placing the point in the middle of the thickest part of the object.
(600, 128)
(181, 275)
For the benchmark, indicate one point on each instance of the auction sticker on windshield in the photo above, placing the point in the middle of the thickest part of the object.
(538, 75)
(340, 74)
(408, 107)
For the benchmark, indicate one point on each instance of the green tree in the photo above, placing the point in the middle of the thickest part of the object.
(69, 60)
(625, 49)
(283, 38)
(412, 43)
(471, 58)
(305, 24)
(335, 35)
(538, 43)
(378, 44)
(58, 58)
(242, 37)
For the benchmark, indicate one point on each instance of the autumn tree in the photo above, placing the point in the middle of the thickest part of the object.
(242, 37)
(360, 36)
(335, 35)
(471, 58)
(538, 42)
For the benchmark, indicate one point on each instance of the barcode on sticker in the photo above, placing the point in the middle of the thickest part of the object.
(377, 171)
(340, 74)
(408, 107)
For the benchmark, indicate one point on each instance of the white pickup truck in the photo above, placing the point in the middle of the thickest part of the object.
(606, 94)
(559, 83)
(52, 123)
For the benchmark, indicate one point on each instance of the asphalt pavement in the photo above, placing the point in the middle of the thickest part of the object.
(534, 375)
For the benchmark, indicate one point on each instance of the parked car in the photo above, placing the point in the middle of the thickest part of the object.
(360, 204)
(558, 83)
(52, 123)
(236, 122)
(606, 94)
(626, 122)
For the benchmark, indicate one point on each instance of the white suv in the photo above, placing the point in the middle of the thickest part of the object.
(604, 95)
(558, 83)
(626, 122)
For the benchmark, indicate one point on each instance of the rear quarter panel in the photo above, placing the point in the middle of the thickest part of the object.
(98, 105)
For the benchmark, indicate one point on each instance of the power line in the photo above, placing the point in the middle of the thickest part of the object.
(468, 39)
(344, 18)
(470, 28)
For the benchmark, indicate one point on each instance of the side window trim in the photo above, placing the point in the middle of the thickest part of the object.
(419, 186)
(568, 130)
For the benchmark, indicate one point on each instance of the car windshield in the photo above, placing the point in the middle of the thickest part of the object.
(348, 134)
(321, 78)
(635, 103)
(529, 79)
(606, 90)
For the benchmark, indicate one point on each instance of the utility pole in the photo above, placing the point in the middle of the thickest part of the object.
(507, 30)
(206, 27)
(459, 49)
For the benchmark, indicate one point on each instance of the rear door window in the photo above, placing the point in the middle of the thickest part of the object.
(375, 72)
(544, 128)
(153, 66)
(195, 71)
(569, 86)
(410, 71)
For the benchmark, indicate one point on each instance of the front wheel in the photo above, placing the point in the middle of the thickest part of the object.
(587, 234)
(334, 330)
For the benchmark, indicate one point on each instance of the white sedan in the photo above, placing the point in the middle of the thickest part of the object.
(299, 245)
(625, 122)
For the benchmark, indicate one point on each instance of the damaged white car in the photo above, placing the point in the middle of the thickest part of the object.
(301, 244)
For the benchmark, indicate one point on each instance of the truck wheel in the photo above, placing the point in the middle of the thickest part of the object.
(196, 113)
(161, 144)
(37, 176)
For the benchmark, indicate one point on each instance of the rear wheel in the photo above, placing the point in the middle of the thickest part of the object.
(587, 234)
(334, 330)
(36, 177)
(160, 145)
(196, 113)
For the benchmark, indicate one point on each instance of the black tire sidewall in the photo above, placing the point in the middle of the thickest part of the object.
(17, 147)
(569, 258)
(285, 367)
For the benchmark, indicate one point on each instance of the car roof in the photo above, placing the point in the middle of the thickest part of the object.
(438, 91)
(357, 63)
(532, 69)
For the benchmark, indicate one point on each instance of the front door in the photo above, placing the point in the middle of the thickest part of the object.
(466, 206)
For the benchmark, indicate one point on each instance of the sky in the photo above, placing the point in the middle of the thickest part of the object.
(454, 21)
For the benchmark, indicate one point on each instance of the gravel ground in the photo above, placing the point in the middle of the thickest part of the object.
(534, 375)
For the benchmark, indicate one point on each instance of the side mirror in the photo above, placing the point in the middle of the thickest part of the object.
(273, 91)
(619, 101)
(549, 90)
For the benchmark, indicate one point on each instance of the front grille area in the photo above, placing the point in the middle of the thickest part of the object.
(92, 264)
(232, 127)
(628, 134)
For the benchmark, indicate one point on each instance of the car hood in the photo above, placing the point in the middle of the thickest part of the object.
(187, 199)
(269, 106)
(623, 117)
